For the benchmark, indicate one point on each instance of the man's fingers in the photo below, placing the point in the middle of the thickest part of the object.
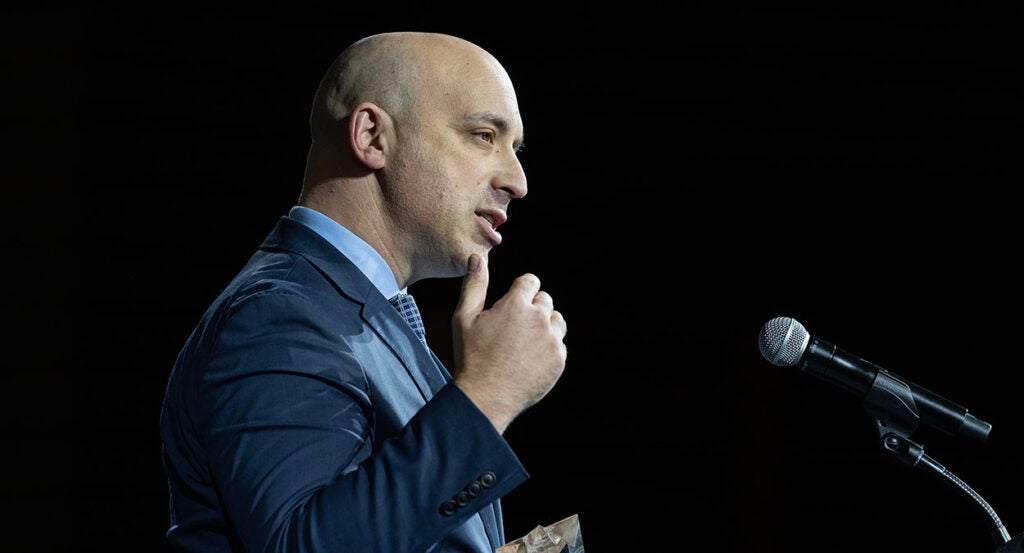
(544, 299)
(474, 287)
(558, 321)
(525, 287)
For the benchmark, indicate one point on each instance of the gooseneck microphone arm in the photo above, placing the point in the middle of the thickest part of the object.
(906, 451)
(896, 407)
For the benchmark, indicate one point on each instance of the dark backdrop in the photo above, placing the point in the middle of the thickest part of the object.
(695, 169)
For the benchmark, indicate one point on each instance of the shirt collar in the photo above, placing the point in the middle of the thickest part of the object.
(351, 246)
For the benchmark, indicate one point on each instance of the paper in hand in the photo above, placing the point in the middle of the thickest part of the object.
(563, 536)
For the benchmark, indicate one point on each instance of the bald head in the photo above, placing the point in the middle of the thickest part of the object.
(393, 70)
(407, 75)
(414, 149)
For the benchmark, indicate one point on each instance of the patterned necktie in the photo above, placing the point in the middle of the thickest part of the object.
(407, 307)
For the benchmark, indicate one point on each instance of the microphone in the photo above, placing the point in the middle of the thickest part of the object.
(785, 342)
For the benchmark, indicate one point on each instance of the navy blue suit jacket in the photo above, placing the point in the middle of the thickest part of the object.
(304, 415)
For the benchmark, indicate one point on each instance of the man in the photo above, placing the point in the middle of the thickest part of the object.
(304, 413)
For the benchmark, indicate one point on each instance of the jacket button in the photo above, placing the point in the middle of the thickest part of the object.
(448, 507)
(462, 498)
(487, 479)
(474, 489)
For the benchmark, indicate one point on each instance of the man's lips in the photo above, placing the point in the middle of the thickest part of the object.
(490, 221)
(494, 218)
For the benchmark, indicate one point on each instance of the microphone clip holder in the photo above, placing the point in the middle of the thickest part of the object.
(890, 403)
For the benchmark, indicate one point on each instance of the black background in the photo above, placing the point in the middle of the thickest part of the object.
(695, 169)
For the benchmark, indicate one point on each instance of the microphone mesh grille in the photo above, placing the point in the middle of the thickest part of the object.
(782, 341)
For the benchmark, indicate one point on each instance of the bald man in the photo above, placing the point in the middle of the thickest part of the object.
(304, 413)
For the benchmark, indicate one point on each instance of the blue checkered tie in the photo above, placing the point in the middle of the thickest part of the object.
(407, 307)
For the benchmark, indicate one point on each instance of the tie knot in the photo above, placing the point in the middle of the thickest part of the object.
(406, 306)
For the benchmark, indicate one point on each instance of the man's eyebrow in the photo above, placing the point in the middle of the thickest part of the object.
(498, 122)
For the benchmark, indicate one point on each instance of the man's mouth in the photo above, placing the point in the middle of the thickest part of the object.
(493, 218)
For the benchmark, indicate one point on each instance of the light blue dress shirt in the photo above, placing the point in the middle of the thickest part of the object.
(353, 247)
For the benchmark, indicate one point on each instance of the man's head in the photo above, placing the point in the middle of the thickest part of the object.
(414, 149)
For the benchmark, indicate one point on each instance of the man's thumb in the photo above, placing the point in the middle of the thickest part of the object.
(474, 287)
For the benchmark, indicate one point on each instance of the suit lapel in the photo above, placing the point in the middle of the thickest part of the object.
(422, 365)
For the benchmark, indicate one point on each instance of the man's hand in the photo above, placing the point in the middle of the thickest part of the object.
(508, 357)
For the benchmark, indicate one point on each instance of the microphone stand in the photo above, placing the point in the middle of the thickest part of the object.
(890, 403)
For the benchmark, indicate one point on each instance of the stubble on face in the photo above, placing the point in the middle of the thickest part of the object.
(428, 199)
(438, 177)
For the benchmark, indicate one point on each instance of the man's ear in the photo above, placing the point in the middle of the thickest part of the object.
(367, 132)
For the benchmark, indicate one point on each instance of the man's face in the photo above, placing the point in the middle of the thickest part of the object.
(453, 174)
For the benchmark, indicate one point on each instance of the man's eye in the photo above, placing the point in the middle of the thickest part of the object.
(487, 136)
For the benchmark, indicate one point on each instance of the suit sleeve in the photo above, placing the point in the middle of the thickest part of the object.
(287, 415)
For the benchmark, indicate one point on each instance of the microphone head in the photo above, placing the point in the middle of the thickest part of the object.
(783, 341)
